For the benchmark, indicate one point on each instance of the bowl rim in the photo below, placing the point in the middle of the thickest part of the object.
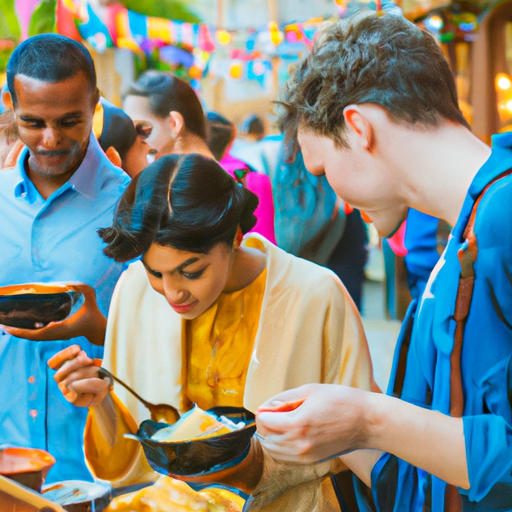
(45, 459)
(35, 289)
(189, 441)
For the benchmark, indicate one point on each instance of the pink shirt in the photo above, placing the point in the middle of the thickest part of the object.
(260, 185)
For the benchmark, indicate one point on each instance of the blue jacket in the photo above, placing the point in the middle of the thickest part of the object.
(486, 360)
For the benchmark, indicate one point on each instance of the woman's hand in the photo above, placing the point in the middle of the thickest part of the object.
(78, 378)
(330, 421)
(88, 321)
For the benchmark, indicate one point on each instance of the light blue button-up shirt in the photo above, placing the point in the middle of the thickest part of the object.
(47, 241)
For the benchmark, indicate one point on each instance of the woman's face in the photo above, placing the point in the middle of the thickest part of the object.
(191, 282)
(136, 158)
(137, 107)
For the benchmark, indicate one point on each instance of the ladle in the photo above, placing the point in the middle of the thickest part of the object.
(160, 412)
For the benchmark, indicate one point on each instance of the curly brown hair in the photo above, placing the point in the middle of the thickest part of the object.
(385, 60)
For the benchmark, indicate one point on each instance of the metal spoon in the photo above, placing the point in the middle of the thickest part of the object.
(161, 412)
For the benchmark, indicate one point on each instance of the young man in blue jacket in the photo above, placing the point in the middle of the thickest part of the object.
(376, 110)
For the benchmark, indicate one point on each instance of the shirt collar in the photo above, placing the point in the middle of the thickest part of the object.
(21, 184)
(84, 180)
(498, 162)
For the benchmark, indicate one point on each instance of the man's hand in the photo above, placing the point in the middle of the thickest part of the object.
(335, 420)
(88, 321)
(78, 378)
(330, 421)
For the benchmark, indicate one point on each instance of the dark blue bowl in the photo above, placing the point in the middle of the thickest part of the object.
(35, 310)
(198, 457)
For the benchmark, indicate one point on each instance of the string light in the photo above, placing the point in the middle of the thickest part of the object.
(503, 82)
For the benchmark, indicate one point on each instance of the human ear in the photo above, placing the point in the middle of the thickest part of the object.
(7, 100)
(113, 156)
(96, 97)
(359, 127)
(176, 123)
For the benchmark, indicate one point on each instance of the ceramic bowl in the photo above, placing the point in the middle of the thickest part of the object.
(27, 466)
(79, 496)
(198, 456)
(32, 306)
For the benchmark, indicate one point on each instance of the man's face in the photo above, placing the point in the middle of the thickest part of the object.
(54, 121)
(357, 177)
(137, 107)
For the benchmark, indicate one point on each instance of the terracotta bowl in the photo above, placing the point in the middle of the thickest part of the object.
(198, 457)
(27, 466)
(79, 496)
(32, 306)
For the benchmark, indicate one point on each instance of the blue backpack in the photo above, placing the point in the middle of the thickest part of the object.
(308, 221)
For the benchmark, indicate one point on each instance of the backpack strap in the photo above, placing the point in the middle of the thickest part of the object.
(467, 257)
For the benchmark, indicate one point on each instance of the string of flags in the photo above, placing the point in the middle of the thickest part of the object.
(186, 45)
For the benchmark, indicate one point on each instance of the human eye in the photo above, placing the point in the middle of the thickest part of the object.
(33, 123)
(193, 275)
(152, 272)
(69, 123)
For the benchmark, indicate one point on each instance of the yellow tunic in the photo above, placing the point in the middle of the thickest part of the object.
(218, 346)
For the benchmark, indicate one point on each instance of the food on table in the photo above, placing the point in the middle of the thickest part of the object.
(169, 495)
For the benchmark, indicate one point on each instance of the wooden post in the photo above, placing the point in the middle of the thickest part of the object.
(272, 10)
(220, 14)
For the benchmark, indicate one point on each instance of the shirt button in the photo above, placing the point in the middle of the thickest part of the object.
(33, 414)
(32, 379)
(23, 194)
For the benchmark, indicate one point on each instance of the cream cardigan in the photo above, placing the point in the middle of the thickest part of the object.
(309, 331)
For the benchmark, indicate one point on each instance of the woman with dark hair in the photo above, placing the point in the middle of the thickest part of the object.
(123, 141)
(207, 316)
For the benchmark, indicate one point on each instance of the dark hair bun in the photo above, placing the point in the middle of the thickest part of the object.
(248, 219)
(186, 202)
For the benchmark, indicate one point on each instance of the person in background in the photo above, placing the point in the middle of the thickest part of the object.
(221, 134)
(313, 223)
(8, 135)
(122, 139)
(60, 191)
(174, 111)
(252, 129)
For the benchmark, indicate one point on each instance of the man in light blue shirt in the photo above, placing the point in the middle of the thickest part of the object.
(62, 189)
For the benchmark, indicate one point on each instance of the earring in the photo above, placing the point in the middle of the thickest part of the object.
(239, 236)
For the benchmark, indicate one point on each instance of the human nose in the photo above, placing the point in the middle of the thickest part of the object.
(173, 292)
(51, 138)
